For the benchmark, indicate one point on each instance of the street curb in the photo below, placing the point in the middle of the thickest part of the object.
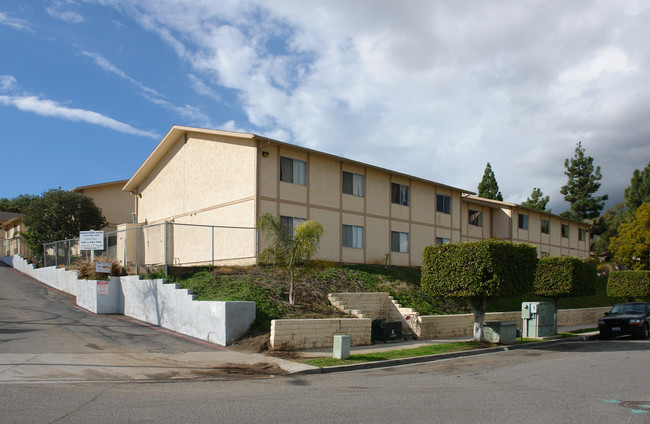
(432, 358)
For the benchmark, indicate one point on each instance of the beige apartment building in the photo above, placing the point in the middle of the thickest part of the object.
(116, 205)
(369, 214)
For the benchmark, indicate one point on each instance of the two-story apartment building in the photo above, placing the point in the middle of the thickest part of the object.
(369, 214)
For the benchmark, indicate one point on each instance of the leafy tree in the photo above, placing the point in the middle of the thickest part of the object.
(606, 226)
(17, 204)
(289, 250)
(478, 271)
(565, 276)
(639, 190)
(488, 187)
(632, 245)
(58, 215)
(582, 185)
(537, 200)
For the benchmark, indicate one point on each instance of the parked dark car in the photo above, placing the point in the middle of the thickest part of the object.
(626, 318)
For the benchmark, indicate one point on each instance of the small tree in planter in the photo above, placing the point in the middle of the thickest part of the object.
(565, 276)
(477, 272)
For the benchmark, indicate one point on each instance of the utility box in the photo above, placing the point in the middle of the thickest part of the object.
(500, 331)
(538, 319)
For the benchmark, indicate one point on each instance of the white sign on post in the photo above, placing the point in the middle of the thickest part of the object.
(103, 267)
(91, 240)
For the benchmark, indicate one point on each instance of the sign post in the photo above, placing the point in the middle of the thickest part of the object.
(91, 240)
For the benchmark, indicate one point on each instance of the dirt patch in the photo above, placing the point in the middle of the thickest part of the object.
(253, 344)
(260, 369)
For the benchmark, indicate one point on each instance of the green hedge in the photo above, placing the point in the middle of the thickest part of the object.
(565, 276)
(483, 269)
(628, 284)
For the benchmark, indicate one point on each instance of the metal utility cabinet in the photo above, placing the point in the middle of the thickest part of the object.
(538, 319)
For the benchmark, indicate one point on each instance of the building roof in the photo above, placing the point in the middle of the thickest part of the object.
(120, 183)
(177, 131)
(498, 204)
(8, 216)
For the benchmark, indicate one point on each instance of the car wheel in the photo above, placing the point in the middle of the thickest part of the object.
(646, 332)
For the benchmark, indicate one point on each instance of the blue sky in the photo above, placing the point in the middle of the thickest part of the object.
(433, 89)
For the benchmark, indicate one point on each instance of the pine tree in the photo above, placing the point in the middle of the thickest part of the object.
(639, 190)
(488, 187)
(537, 200)
(582, 184)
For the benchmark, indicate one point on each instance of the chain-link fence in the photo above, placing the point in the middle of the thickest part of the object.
(161, 245)
(14, 246)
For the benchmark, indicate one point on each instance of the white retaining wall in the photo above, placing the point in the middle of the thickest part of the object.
(150, 301)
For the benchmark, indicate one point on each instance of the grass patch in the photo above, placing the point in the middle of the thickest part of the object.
(398, 354)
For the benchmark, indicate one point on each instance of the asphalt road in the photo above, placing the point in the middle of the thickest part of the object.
(581, 382)
(574, 382)
(45, 337)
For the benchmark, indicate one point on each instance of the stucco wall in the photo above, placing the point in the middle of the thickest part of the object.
(116, 205)
(201, 173)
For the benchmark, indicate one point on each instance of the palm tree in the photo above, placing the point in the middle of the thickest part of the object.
(289, 248)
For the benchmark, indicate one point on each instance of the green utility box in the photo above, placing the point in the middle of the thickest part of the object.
(538, 319)
(500, 331)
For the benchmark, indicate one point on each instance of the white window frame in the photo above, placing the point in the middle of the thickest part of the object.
(402, 191)
(443, 203)
(357, 182)
(354, 238)
(548, 226)
(523, 221)
(442, 240)
(291, 222)
(293, 171)
(475, 217)
(399, 242)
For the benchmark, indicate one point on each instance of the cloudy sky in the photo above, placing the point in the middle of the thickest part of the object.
(435, 89)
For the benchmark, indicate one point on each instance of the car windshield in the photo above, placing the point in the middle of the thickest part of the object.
(628, 309)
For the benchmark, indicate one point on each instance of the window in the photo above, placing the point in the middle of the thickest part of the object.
(545, 254)
(399, 242)
(443, 203)
(523, 221)
(400, 194)
(352, 236)
(293, 171)
(546, 226)
(565, 231)
(353, 184)
(582, 234)
(475, 218)
(290, 222)
(442, 240)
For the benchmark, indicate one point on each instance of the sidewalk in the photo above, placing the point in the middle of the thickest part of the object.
(410, 344)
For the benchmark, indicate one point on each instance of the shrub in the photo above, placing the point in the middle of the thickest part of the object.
(478, 271)
(565, 276)
(86, 269)
(628, 284)
(483, 269)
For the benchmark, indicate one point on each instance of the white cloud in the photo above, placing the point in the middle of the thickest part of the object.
(15, 23)
(63, 10)
(194, 115)
(434, 89)
(7, 83)
(50, 108)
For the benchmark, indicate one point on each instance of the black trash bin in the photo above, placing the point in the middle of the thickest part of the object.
(385, 331)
